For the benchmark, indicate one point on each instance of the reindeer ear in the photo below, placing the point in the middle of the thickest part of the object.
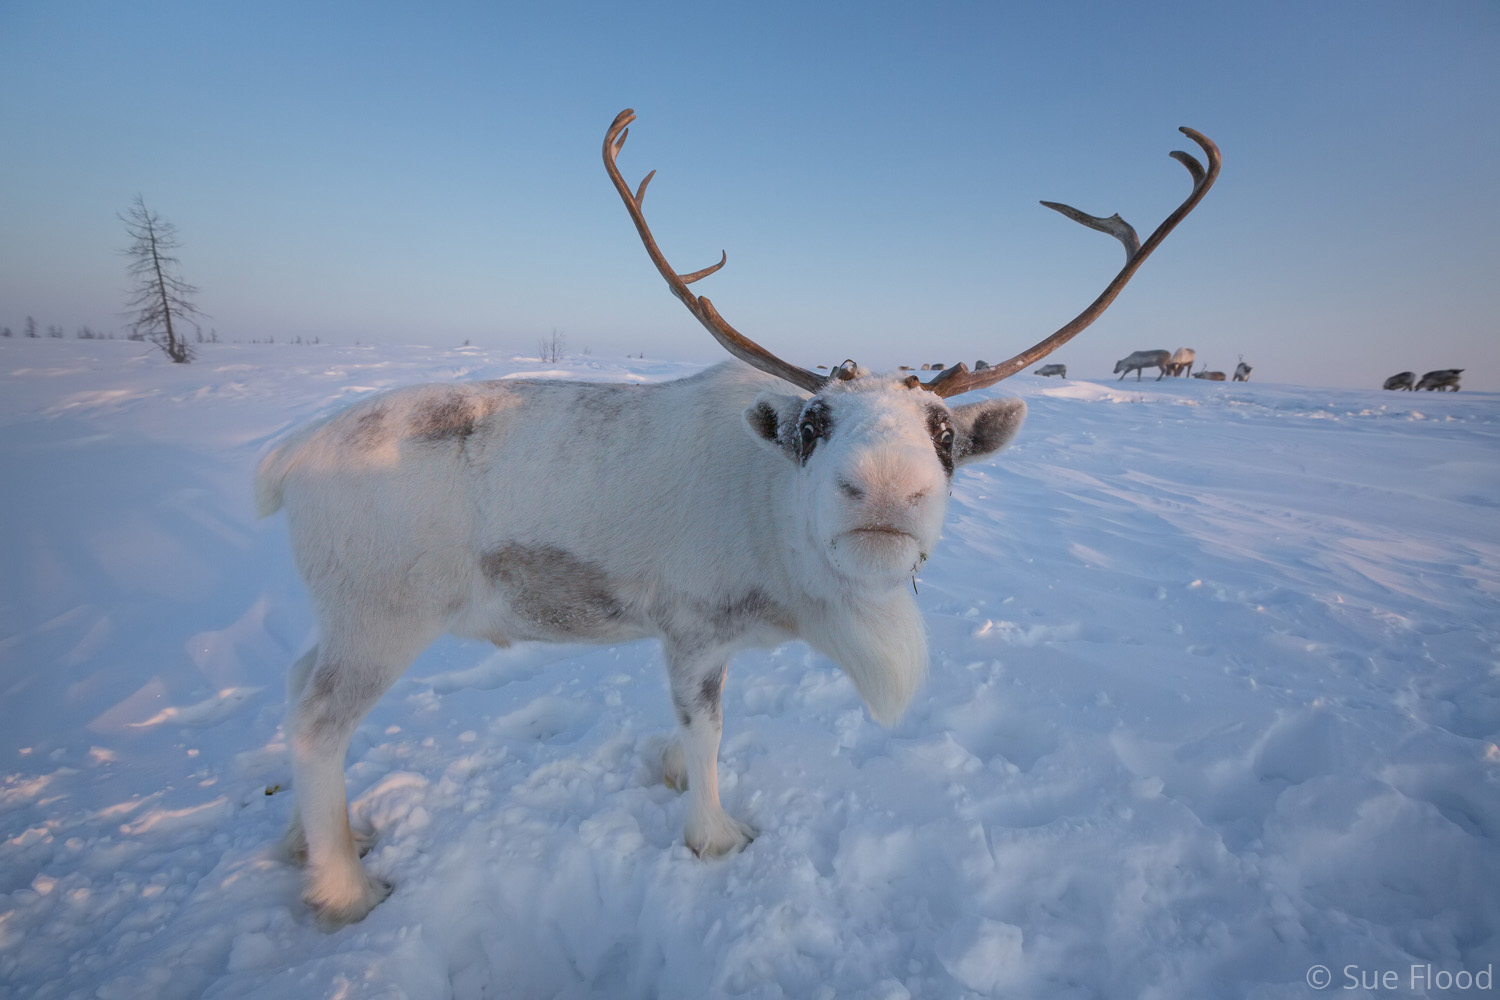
(765, 417)
(981, 429)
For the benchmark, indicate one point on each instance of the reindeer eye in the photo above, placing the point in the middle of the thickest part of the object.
(815, 425)
(945, 437)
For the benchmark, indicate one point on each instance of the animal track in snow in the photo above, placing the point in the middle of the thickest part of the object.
(547, 720)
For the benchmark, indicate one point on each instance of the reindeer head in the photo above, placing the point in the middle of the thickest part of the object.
(876, 453)
(875, 456)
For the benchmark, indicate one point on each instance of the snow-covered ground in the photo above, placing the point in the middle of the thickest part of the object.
(1215, 701)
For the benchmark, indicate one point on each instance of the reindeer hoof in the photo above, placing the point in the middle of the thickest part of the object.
(718, 837)
(332, 916)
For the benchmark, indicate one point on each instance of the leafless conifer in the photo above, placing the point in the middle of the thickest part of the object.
(161, 300)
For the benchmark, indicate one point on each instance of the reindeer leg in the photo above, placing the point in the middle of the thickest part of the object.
(353, 668)
(697, 682)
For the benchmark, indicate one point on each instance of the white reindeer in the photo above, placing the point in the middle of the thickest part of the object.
(1182, 362)
(715, 512)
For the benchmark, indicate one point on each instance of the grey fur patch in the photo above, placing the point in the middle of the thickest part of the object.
(335, 700)
(369, 431)
(709, 692)
(732, 618)
(555, 590)
(603, 402)
(698, 696)
(449, 417)
(700, 626)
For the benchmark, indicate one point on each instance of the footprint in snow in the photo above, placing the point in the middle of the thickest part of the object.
(547, 720)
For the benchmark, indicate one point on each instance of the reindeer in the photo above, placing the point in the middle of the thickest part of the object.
(1210, 376)
(753, 503)
(1242, 371)
(1060, 370)
(1401, 380)
(1137, 360)
(1182, 362)
(1442, 378)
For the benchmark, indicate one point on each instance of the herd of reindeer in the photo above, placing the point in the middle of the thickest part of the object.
(1176, 363)
(1180, 362)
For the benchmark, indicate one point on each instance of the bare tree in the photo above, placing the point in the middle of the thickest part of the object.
(551, 349)
(162, 300)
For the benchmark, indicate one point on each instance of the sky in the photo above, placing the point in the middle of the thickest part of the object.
(378, 173)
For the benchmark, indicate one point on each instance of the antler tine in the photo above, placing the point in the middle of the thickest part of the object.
(703, 310)
(958, 379)
(688, 279)
(1114, 226)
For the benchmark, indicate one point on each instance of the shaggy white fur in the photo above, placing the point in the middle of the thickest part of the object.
(715, 512)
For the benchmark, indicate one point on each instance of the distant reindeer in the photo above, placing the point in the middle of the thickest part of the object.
(1211, 376)
(1138, 360)
(1442, 378)
(745, 506)
(1242, 371)
(1182, 362)
(1061, 370)
(1401, 380)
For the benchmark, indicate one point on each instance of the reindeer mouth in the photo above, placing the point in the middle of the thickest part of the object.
(877, 530)
(876, 550)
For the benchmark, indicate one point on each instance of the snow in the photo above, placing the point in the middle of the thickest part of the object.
(1215, 699)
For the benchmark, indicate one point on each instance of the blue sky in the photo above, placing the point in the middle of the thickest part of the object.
(383, 173)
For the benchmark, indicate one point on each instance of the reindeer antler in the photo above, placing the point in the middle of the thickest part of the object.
(959, 379)
(734, 342)
(951, 381)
